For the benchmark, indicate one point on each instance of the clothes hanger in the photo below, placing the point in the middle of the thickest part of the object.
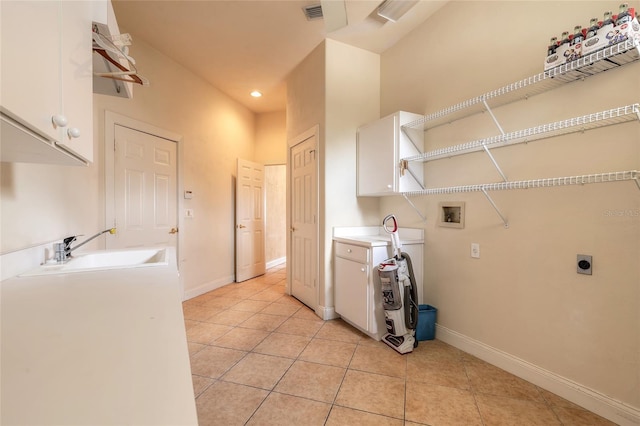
(103, 45)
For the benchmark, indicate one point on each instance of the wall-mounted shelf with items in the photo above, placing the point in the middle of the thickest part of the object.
(611, 57)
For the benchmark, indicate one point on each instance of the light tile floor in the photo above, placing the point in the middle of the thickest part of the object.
(260, 357)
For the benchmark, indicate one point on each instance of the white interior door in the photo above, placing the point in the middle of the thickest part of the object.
(250, 220)
(304, 228)
(145, 197)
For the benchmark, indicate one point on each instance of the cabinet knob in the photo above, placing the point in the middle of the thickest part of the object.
(348, 250)
(73, 132)
(362, 269)
(59, 120)
(389, 186)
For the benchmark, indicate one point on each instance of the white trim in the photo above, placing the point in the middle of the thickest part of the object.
(111, 119)
(326, 312)
(312, 132)
(581, 395)
(207, 287)
(276, 262)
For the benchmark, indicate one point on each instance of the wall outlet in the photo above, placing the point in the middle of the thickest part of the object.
(475, 250)
(188, 213)
(585, 264)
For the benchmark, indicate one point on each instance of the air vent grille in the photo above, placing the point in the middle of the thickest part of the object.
(313, 12)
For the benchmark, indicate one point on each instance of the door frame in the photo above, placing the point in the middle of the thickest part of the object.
(314, 131)
(239, 277)
(111, 119)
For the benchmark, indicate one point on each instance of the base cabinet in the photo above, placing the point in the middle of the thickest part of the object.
(358, 298)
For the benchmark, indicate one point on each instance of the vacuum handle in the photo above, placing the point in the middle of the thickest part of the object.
(395, 224)
(395, 239)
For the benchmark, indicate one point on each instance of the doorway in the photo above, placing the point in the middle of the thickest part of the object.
(275, 176)
(302, 265)
(141, 181)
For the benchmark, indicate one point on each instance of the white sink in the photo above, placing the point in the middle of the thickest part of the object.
(104, 260)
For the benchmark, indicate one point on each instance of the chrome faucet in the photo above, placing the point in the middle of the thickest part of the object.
(63, 250)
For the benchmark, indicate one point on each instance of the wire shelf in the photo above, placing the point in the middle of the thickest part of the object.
(572, 125)
(534, 183)
(597, 62)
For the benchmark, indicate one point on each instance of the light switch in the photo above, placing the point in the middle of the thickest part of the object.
(475, 250)
(188, 213)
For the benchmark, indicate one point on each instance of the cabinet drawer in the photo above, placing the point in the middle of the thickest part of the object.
(352, 252)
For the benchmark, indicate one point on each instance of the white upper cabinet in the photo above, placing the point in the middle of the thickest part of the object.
(46, 87)
(381, 146)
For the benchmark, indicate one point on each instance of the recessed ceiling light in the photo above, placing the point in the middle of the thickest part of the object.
(256, 94)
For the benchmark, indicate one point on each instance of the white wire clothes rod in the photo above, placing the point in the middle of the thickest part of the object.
(534, 183)
(577, 124)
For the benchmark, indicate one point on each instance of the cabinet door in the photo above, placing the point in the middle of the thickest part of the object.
(376, 157)
(351, 291)
(77, 77)
(31, 63)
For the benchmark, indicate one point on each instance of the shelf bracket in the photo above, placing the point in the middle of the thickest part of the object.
(504, 220)
(493, 117)
(493, 160)
(424, 219)
(484, 145)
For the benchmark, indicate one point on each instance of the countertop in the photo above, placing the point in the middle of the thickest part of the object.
(101, 348)
(374, 236)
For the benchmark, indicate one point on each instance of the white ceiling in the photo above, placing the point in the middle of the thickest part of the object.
(244, 45)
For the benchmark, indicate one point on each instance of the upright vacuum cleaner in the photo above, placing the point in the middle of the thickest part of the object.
(399, 294)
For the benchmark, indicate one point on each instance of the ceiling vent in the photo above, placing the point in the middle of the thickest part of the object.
(313, 12)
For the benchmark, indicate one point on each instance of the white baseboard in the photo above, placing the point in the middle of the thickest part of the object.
(583, 396)
(326, 313)
(204, 288)
(276, 262)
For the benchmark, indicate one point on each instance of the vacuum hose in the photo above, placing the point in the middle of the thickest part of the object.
(410, 298)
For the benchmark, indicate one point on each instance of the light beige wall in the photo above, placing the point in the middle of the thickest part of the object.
(216, 131)
(352, 99)
(44, 203)
(305, 110)
(336, 87)
(523, 295)
(306, 94)
(271, 138)
(271, 150)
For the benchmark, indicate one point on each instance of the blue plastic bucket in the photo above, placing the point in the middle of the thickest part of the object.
(426, 329)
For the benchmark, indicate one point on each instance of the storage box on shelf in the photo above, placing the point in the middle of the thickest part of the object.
(611, 34)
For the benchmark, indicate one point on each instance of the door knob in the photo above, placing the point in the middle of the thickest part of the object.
(293, 229)
(241, 226)
(173, 231)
